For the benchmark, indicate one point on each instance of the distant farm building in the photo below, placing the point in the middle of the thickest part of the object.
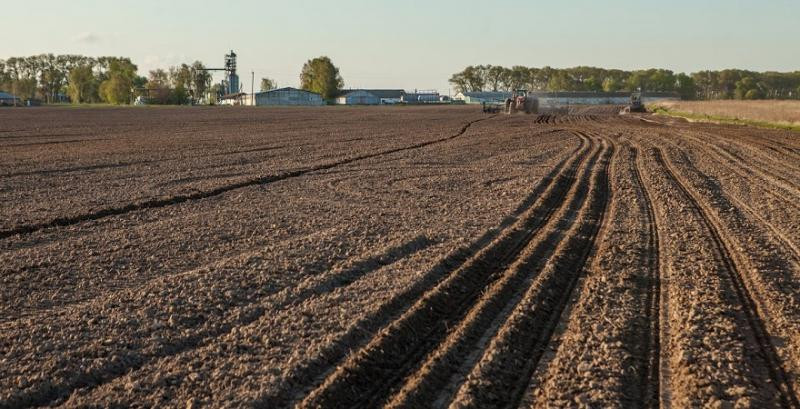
(8, 99)
(288, 96)
(370, 97)
(481, 97)
(239, 98)
(568, 98)
(600, 98)
(421, 97)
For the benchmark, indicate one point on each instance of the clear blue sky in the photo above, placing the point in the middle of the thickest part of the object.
(412, 43)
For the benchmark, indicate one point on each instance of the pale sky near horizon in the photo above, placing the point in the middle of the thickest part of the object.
(412, 44)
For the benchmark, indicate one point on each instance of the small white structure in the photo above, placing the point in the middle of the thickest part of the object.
(233, 99)
(288, 96)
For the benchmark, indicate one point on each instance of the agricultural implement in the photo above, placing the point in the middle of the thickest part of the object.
(636, 104)
(522, 101)
(491, 107)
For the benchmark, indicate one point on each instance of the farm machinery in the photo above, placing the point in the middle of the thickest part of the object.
(491, 107)
(522, 101)
(636, 104)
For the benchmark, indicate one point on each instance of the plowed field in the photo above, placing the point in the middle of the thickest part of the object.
(396, 257)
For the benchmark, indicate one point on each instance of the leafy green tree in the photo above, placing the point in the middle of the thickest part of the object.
(518, 77)
(82, 85)
(321, 76)
(267, 84)
(181, 76)
(748, 88)
(459, 82)
(754, 94)
(559, 82)
(201, 80)
(215, 91)
(638, 80)
(685, 86)
(158, 87)
(494, 77)
(118, 88)
(179, 95)
(610, 84)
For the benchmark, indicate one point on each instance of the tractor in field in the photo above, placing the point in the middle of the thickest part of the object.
(521, 101)
(636, 104)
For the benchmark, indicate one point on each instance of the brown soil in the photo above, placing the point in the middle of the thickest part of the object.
(396, 257)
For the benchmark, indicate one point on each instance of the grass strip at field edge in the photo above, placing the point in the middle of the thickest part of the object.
(723, 120)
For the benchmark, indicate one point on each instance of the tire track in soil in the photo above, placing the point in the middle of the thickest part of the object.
(505, 371)
(757, 161)
(777, 372)
(104, 374)
(780, 236)
(754, 168)
(785, 240)
(158, 203)
(367, 377)
(441, 373)
(655, 377)
(313, 373)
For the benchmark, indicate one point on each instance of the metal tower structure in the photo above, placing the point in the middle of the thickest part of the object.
(231, 78)
(230, 84)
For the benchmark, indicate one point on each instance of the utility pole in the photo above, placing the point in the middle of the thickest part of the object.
(252, 88)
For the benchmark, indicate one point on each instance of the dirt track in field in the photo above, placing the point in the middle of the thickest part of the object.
(396, 257)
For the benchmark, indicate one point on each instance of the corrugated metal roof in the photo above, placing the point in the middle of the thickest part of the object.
(487, 95)
(285, 89)
(379, 93)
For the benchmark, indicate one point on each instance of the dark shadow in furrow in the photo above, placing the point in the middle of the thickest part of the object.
(311, 374)
(158, 203)
(651, 365)
(368, 377)
(772, 362)
(714, 188)
(582, 244)
(494, 308)
(510, 371)
(51, 393)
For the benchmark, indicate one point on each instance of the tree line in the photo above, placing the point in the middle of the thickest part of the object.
(115, 80)
(85, 79)
(724, 84)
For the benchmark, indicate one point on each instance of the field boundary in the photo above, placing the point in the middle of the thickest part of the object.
(722, 120)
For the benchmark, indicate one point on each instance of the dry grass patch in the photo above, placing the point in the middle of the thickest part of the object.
(770, 113)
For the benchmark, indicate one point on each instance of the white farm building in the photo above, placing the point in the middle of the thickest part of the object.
(288, 96)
